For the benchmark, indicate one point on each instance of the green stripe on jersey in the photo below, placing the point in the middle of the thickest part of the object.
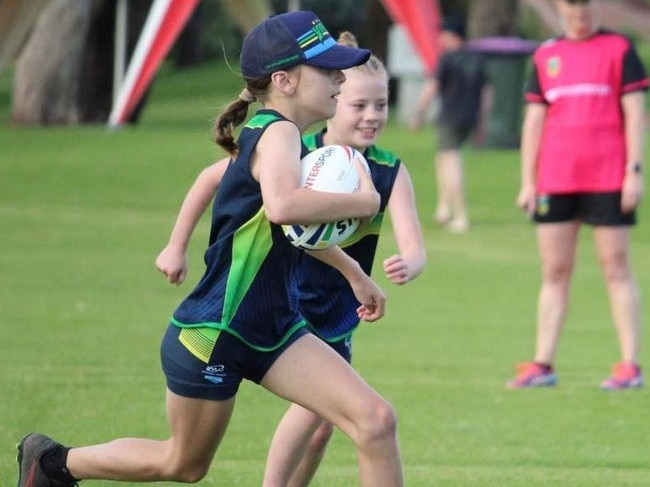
(250, 245)
(261, 120)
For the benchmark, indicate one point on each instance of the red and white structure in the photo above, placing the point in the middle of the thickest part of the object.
(164, 23)
(420, 18)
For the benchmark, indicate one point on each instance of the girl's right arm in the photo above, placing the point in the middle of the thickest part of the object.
(531, 138)
(172, 260)
(276, 166)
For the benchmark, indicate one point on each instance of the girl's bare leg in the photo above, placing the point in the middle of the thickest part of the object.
(311, 374)
(197, 427)
(297, 448)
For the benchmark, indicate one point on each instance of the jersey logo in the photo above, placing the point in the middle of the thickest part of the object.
(553, 66)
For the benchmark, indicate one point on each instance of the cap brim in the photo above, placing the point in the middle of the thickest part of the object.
(339, 57)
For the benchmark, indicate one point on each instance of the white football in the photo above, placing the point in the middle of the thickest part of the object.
(329, 168)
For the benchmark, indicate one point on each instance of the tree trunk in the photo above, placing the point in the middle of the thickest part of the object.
(95, 96)
(493, 18)
(48, 72)
(96, 86)
(374, 34)
(248, 13)
(17, 17)
(65, 72)
(189, 50)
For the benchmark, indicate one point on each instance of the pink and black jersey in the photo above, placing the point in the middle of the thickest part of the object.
(583, 142)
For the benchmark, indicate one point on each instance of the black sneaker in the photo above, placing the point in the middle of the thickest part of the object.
(30, 450)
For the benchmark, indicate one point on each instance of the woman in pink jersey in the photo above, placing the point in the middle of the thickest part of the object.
(581, 154)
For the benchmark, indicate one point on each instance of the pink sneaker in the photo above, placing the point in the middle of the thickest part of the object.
(532, 374)
(625, 375)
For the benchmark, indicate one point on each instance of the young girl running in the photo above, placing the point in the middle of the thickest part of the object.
(323, 296)
(238, 323)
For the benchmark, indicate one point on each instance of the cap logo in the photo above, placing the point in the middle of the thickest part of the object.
(316, 40)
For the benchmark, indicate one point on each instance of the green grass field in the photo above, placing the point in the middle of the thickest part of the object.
(84, 212)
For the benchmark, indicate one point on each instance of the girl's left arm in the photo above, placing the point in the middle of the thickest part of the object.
(172, 260)
(411, 259)
(633, 105)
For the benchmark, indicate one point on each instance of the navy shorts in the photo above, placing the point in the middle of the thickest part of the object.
(229, 361)
(597, 209)
(343, 347)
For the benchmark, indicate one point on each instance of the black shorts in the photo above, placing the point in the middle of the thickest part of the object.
(230, 361)
(597, 209)
(451, 137)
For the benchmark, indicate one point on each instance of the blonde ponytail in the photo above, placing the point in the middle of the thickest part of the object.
(372, 67)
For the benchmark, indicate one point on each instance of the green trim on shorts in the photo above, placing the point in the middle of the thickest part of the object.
(335, 339)
(201, 342)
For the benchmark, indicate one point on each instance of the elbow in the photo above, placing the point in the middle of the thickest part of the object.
(279, 214)
(372, 208)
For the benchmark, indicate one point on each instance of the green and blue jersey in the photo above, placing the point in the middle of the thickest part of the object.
(245, 289)
(322, 294)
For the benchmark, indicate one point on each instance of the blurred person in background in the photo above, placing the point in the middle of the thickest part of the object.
(581, 158)
(460, 82)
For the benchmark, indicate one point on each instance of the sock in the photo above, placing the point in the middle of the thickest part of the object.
(53, 462)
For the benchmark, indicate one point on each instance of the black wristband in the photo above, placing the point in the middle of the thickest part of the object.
(634, 167)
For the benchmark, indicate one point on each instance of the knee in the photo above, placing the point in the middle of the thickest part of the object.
(557, 274)
(379, 425)
(186, 473)
(616, 270)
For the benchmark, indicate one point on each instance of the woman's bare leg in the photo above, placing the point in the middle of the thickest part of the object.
(612, 246)
(557, 246)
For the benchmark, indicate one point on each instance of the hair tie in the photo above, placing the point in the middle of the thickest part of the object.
(247, 96)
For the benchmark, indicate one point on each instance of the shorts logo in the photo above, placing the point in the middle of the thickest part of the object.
(214, 373)
(543, 204)
(553, 66)
(348, 345)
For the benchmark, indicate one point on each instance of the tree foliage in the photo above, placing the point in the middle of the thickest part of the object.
(65, 72)
(493, 18)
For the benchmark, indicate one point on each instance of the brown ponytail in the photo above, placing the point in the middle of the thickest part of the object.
(235, 114)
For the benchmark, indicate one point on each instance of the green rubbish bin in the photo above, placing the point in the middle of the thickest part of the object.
(506, 63)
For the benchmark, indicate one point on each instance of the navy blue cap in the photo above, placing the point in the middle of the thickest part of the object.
(299, 37)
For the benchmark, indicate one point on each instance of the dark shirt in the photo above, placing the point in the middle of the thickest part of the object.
(461, 77)
(246, 288)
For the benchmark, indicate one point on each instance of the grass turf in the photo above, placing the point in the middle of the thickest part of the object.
(84, 212)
